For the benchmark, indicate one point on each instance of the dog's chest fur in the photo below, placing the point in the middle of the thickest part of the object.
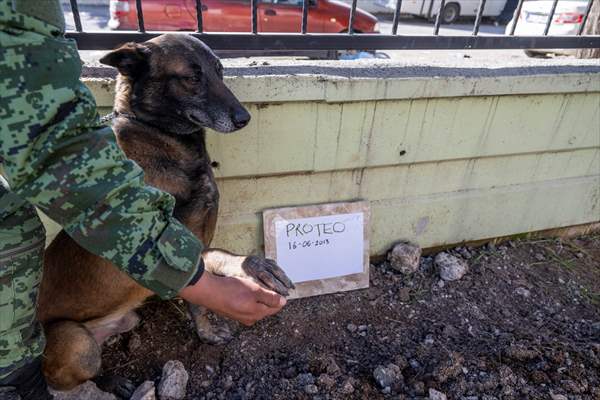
(177, 164)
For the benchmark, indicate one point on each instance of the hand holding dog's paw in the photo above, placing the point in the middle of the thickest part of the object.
(266, 272)
(240, 299)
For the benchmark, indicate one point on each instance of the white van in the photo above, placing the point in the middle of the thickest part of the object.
(453, 8)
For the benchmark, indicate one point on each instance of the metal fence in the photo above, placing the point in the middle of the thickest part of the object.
(253, 41)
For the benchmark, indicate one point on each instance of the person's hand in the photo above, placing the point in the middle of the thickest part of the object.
(236, 298)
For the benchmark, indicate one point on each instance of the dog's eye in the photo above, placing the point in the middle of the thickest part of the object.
(220, 70)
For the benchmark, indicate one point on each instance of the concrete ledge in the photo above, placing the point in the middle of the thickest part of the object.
(285, 83)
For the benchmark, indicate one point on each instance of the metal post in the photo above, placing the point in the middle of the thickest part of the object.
(585, 17)
(254, 5)
(550, 17)
(76, 17)
(479, 17)
(438, 19)
(140, 15)
(199, 27)
(396, 17)
(305, 5)
(516, 17)
(351, 19)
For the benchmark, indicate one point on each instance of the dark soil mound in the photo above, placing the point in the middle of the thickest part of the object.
(523, 323)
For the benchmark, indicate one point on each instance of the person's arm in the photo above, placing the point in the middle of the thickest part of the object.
(57, 156)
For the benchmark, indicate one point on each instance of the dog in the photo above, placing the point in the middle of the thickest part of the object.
(169, 89)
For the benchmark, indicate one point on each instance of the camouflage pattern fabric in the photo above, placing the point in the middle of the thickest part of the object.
(58, 157)
(21, 251)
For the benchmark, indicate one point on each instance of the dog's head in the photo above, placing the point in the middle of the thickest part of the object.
(175, 82)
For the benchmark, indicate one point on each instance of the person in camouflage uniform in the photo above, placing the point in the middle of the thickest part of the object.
(58, 157)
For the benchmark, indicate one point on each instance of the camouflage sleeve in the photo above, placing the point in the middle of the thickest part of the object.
(57, 156)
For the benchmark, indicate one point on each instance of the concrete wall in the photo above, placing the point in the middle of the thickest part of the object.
(443, 157)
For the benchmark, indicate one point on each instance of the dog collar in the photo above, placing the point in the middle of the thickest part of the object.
(115, 114)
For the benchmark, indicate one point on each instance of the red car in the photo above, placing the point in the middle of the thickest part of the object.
(324, 16)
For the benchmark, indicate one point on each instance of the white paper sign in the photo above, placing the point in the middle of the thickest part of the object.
(320, 247)
(323, 248)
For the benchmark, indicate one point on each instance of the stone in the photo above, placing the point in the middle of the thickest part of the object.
(305, 379)
(311, 389)
(146, 391)
(387, 376)
(331, 366)
(419, 388)
(290, 372)
(451, 268)
(464, 253)
(404, 257)
(521, 291)
(558, 397)
(404, 294)
(86, 391)
(228, 382)
(351, 327)
(134, 343)
(173, 383)
(436, 395)
(347, 387)
(326, 381)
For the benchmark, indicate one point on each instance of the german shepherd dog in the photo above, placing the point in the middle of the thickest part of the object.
(169, 90)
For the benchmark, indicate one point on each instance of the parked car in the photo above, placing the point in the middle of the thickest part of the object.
(375, 6)
(534, 15)
(324, 16)
(453, 9)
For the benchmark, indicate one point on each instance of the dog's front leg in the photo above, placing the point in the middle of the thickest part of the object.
(214, 329)
(264, 271)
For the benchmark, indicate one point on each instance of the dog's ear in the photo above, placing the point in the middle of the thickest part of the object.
(130, 59)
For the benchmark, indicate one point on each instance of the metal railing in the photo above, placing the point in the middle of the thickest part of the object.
(101, 40)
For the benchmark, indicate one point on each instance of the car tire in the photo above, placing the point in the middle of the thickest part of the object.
(450, 13)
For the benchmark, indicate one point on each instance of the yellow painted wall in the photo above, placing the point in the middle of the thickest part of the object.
(442, 160)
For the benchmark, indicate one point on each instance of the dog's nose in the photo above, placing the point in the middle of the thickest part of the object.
(240, 118)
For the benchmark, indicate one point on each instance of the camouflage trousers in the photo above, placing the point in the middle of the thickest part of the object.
(22, 238)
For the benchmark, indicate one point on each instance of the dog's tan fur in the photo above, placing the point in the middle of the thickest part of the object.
(84, 299)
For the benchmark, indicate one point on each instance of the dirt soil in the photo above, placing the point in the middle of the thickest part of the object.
(523, 323)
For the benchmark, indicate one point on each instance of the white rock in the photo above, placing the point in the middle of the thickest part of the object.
(173, 382)
(311, 389)
(521, 291)
(387, 376)
(146, 391)
(86, 391)
(405, 257)
(451, 268)
(435, 395)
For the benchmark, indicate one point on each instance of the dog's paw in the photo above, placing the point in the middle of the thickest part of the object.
(268, 273)
(210, 328)
(115, 384)
(214, 334)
